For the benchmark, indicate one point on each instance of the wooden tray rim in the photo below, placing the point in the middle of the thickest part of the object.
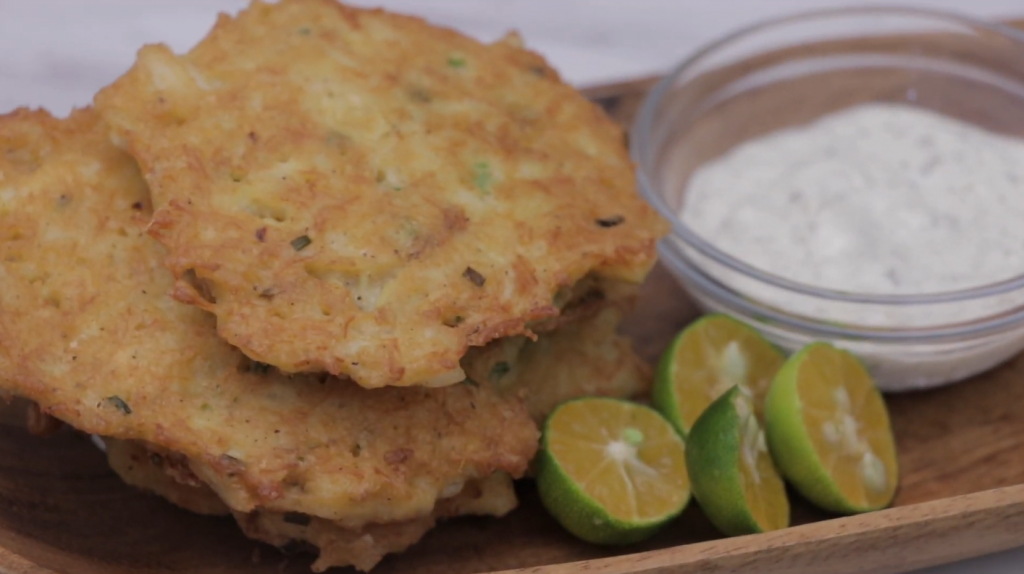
(898, 527)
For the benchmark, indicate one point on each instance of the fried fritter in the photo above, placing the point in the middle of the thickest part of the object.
(144, 469)
(88, 331)
(366, 546)
(337, 545)
(362, 193)
(582, 358)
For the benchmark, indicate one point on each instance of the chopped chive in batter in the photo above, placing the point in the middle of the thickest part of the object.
(420, 95)
(474, 277)
(482, 176)
(611, 221)
(301, 242)
(118, 403)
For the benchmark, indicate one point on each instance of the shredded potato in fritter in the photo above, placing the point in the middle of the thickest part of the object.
(362, 193)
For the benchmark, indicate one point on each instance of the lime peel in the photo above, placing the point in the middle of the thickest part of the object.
(824, 406)
(625, 490)
(731, 471)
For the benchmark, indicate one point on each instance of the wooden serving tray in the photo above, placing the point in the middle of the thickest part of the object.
(961, 452)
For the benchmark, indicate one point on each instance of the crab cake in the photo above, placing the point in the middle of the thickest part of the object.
(362, 193)
(88, 331)
(337, 546)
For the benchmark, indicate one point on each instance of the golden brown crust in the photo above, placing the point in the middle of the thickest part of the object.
(366, 194)
(337, 545)
(366, 546)
(582, 358)
(144, 469)
(88, 331)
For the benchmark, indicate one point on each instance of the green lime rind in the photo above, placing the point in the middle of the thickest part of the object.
(712, 459)
(663, 393)
(791, 446)
(580, 514)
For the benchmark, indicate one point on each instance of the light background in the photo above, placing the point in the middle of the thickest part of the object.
(57, 53)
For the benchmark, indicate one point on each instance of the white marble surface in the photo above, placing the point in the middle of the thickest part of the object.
(57, 53)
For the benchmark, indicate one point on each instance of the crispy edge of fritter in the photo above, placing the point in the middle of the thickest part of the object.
(146, 470)
(337, 545)
(364, 548)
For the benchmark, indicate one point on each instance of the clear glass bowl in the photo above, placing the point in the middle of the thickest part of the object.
(794, 70)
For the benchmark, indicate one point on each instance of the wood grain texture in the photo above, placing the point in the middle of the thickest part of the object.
(961, 451)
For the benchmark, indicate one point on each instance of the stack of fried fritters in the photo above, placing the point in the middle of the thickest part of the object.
(325, 272)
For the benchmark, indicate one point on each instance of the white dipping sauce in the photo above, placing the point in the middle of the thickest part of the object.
(880, 199)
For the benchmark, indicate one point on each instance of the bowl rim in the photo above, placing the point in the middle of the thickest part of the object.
(681, 233)
(757, 313)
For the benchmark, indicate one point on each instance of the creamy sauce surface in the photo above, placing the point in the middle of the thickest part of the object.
(878, 198)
